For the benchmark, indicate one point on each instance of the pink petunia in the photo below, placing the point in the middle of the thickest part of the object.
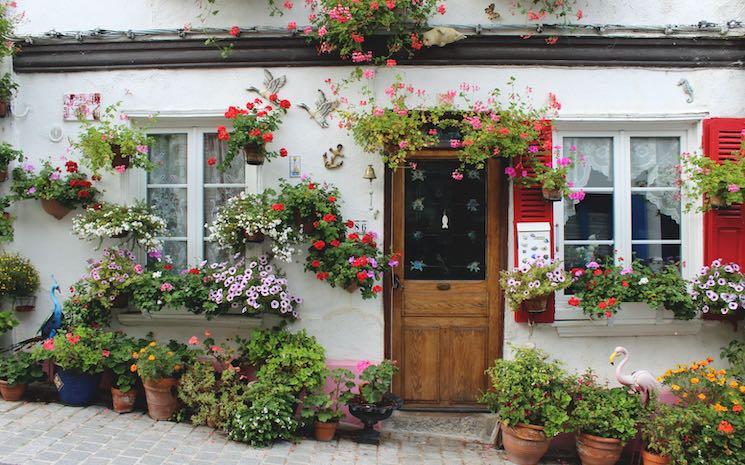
(362, 366)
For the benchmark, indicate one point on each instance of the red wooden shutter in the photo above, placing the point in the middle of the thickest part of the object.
(529, 207)
(724, 230)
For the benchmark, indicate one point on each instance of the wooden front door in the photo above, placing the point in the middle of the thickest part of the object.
(447, 310)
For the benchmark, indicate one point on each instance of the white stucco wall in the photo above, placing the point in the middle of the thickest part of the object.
(349, 327)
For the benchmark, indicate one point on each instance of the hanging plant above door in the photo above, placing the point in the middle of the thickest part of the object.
(253, 129)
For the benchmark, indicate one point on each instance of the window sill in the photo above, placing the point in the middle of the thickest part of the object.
(629, 327)
(162, 319)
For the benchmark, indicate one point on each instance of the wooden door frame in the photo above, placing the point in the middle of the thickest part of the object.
(498, 208)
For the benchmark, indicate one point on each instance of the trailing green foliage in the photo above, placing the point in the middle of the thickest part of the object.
(20, 368)
(9, 154)
(8, 86)
(327, 406)
(7, 321)
(602, 411)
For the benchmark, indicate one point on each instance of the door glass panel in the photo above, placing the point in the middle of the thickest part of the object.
(444, 222)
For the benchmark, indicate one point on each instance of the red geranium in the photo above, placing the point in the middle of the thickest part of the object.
(71, 167)
(315, 263)
(211, 161)
(285, 104)
(322, 275)
(168, 267)
(377, 289)
(84, 194)
(361, 276)
(278, 207)
(283, 152)
(329, 218)
(222, 133)
(255, 132)
(335, 243)
(268, 137)
(311, 186)
(235, 31)
(354, 237)
(350, 224)
(193, 270)
(332, 199)
(319, 245)
(574, 301)
(273, 97)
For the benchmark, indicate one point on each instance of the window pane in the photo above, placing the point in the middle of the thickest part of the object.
(170, 203)
(216, 197)
(590, 219)
(176, 250)
(213, 254)
(656, 255)
(653, 161)
(445, 222)
(655, 215)
(593, 161)
(580, 255)
(235, 174)
(168, 153)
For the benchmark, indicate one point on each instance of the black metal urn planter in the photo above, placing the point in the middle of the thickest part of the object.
(371, 414)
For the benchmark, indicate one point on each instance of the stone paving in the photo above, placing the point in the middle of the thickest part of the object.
(36, 433)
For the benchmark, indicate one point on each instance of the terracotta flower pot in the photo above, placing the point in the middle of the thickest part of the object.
(123, 402)
(119, 159)
(54, 208)
(4, 174)
(352, 287)
(594, 450)
(254, 154)
(257, 237)
(12, 393)
(161, 401)
(553, 195)
(323, 431)
(4, 109)
(121, 235)
(524, 444)
(654, 459)
(536, 304)
(717, 202)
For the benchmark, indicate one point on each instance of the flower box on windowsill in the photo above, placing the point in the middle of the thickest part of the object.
(176, 318)
(633, 319)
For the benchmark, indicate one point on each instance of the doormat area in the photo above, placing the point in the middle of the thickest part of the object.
(481, 428)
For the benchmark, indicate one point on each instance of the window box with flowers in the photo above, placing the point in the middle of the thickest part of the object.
(59, 192)
(530, 285)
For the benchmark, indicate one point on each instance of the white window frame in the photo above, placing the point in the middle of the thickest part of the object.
(195, 185)
(691, 227)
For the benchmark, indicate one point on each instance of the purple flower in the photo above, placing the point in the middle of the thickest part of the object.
(593, 265)
(31, 190)
(29, 167)
(627, 270)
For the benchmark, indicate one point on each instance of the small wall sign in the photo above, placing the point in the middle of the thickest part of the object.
(82, 107)
(533, 241)
(295, 166)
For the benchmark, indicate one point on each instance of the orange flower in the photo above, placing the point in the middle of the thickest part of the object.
(726, 427)
(701, 397)
(694, 380)
(133, 368)
(719, 407)
(737, 408)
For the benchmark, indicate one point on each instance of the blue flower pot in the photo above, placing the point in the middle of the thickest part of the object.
(76, 388)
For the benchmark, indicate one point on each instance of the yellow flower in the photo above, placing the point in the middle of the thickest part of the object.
(153, 344)
(694, 380)
(142, 351)
(685, 394)
(675, 387)
(733, 384)
(719, 407)
(135, 355)
(701, 397)
(177, 367)
(151, 358)
(742, 389)
(170, 354)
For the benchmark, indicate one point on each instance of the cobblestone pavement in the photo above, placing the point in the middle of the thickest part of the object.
(40, 433)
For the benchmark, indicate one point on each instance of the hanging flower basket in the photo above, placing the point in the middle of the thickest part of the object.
(552, 195)
(256, 237)
(4, 109)
(54, 208)
(306, 223)
(4, 174)
(254, 153)
(121, 235)
(25, 303)
(120, 301)
(119, 159)
(352, 287)
(536, 304)
(717, 202)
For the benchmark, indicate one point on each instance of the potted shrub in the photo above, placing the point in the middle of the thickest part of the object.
(8, 87)
(249, 218)
(7, 155)
(7, 232)
(532, 283)
(7, 321)
(17, 371)
(59, 192)
(19, 280)
(252, 129)
(719, 289)
(721, 185)
(159, 365)
(110, 278)
(661, 428)
(136, 224)
(553, 180)
(374, 402)
(305, 203)
(78, 356)
(113, 145)
(605, 419)
(325, 408)
(531, 392)
(119, 360)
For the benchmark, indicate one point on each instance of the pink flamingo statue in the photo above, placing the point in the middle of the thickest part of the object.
(641, 381)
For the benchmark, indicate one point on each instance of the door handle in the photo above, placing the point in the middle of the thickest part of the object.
(397, 282)
(443, 286)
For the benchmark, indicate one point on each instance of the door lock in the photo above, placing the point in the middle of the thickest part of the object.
(443, 286)
(397, 282)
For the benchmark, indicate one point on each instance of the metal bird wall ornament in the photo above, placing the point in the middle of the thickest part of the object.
(330, 162)
(272, 85)
(491, 12)
(324, 107)
(640, 381)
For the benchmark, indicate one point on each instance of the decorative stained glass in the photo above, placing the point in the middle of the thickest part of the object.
(445, 223)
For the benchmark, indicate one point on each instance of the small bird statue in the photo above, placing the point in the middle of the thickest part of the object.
(324, 108)
(271, 85)
(441, 36)
(641, 381)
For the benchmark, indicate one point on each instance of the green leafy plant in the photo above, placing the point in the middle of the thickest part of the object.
(8, 86)
(253, 126)
(20, 368)
(7, 232)
(7, 321)
(157, 361)
(662, 426)
(270, 417)
(734, 353)
(602, 411)
(327, 406)
(113, 145)
(81, 349)
(18, 276)
(9, 154)
(120, 357)
(376, 380)
(71, 189)
(532, 279)
(307, 201)
(537, 10)
(109, 277)
(720, 184)
(136, 223)
(347, 26)
(530, 389)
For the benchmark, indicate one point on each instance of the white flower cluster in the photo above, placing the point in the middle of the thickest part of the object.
(136, 223)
